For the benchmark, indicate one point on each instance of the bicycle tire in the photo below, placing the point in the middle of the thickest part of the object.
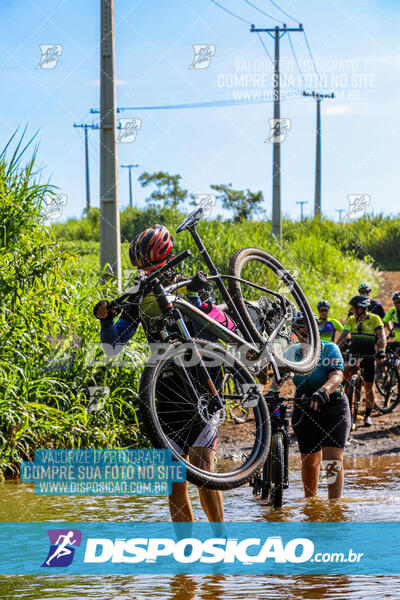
(350, 394)
(357, 398)
(236, 264)
(389, 406)
(153, 423)
(277, 469)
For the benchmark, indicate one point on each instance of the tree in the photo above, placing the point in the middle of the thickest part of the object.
(243, 203)
(168, 193)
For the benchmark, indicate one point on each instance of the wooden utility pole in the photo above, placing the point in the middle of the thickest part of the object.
(110, 242)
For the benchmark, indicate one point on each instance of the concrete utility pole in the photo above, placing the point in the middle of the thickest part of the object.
(276, 33)
(110, 242)
(130, 167)
(317, 201)
(302, 202)
(340, 211)
(87, 126)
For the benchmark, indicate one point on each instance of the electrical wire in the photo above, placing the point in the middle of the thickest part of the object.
(230, 12)
(311, 56)
(262, 11)
(265, 48)
(295, 57)
(283, 11)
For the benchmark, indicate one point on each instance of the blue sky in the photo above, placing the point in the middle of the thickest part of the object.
(355, 44)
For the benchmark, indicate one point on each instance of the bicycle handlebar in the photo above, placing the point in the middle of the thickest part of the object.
(117, 303)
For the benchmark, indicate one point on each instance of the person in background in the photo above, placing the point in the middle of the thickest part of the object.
(368, 341)
(323, 425)
(327, 326)
(376, 308)
(392, 322)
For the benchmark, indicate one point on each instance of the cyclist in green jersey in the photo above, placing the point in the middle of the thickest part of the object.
(393, 317)
(368, 340)
(327, 326)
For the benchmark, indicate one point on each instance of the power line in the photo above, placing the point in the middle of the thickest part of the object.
(283, 11)
(295, 57)
(230, 12)
(265, 48)
(311, 56)
(262, 11)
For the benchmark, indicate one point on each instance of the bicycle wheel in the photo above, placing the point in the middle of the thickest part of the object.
(233, 394)
(178, 413)
(350, 397)
(388, 386)
(277, 469)
(262, 311)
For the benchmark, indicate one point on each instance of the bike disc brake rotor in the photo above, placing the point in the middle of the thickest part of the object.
(214, 418)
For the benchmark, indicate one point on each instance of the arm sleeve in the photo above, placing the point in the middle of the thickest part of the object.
(389, 316)
(335, 359)
(114, 336)
(338, 326)
(378, 322)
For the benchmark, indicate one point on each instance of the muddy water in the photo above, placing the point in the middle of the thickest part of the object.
(372, 493)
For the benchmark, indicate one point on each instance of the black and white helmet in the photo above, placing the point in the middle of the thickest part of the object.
(323, 304)
(396, 295)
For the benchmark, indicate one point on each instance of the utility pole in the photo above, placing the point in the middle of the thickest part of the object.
(276, 33)
(302, 202)
(87, 126)
(340, 211)
(110, 242)
(130, 167)
(317, 199)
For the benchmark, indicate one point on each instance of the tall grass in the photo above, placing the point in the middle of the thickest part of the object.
(46, 330)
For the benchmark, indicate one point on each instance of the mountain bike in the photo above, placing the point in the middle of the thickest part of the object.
(197, 368)
(387, 380)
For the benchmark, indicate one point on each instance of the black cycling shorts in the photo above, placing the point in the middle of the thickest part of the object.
(329, 426)
(367, 363)
(180, 418)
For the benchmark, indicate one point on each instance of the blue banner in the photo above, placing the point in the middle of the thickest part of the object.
(200, 548)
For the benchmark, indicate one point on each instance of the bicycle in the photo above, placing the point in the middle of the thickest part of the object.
(191, 360)
(274, 478)
(387, 380)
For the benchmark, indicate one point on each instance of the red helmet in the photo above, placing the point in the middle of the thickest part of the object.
(151, 247)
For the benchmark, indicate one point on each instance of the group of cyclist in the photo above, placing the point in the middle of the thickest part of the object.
(321, 427)
(365, 326)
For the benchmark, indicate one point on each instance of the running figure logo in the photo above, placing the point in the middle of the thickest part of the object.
(50, 55)
(62, 542)
(358, 204)
(278, 130)
(203, 54)
(332, 469)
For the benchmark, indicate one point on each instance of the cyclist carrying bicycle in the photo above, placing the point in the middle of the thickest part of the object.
(368, 341)
(148, 250)
(327, 326)
(392, 322)
(322, 427)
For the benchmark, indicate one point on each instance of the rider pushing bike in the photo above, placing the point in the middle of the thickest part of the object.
(368, 341)
(393, 317)
(323, 425)
(149, 250)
